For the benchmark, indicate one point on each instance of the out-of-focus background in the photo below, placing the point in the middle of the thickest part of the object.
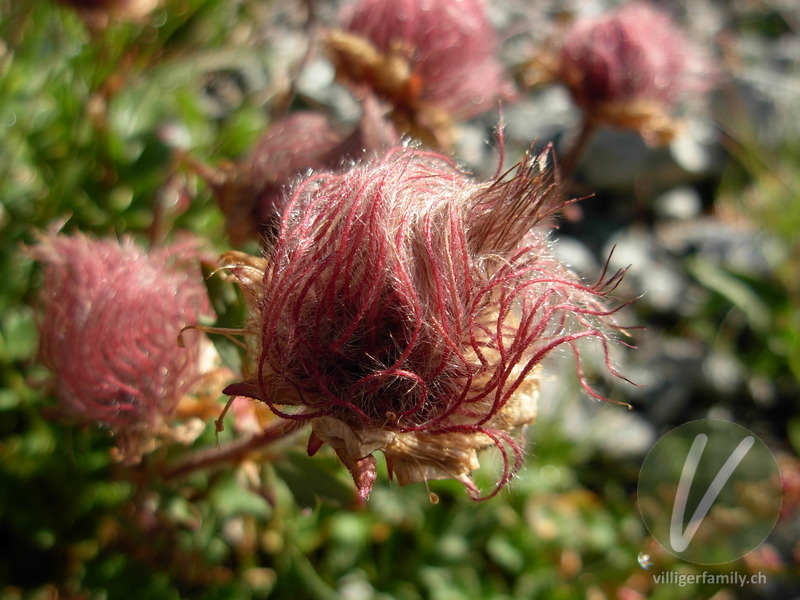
(95, 122)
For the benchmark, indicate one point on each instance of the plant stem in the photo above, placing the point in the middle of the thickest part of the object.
(576, 150)
(232, 451)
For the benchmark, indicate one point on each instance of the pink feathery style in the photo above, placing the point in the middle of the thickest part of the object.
(406, 308)
(434, 60)
(631, 67)
(109, 319)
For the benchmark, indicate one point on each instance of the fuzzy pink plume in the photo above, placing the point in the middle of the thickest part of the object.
(250, 193)
(629, 68)
(251, 196)
(450, 43)
(433, 60)
(109, 320)
(407, 308)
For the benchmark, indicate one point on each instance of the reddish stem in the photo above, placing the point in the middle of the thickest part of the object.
(232, 451)
(572, 156)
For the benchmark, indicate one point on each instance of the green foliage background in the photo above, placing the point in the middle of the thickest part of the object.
(85, 123)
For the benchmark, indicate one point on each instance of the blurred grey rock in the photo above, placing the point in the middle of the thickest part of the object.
(623, 433)
(735, 248)
(228, 77)
(575, 255)
(668, 372)
(723, 372)
(540, 116)
(695, 150)
(679, 203)
(610, 428)
(652, 271)
(768, 87)
(317, 83)
(475, 147)
(620, 160)
(615, 159)
(316, 79)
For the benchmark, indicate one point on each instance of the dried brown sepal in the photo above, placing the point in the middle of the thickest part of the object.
(389, 76)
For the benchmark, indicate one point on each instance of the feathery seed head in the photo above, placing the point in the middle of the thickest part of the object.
(109, 320)
(407, 308)
(630, 68)
(433, 60)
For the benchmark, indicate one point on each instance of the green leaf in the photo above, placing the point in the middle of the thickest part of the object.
(793, 430)
(230, 499)
(315, 479)
(18, 335)
(733, 289)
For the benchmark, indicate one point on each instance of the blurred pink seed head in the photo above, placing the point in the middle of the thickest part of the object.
(407, 308)
(109, 320)
(433, 59)
(631, 67)
(250, 193)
